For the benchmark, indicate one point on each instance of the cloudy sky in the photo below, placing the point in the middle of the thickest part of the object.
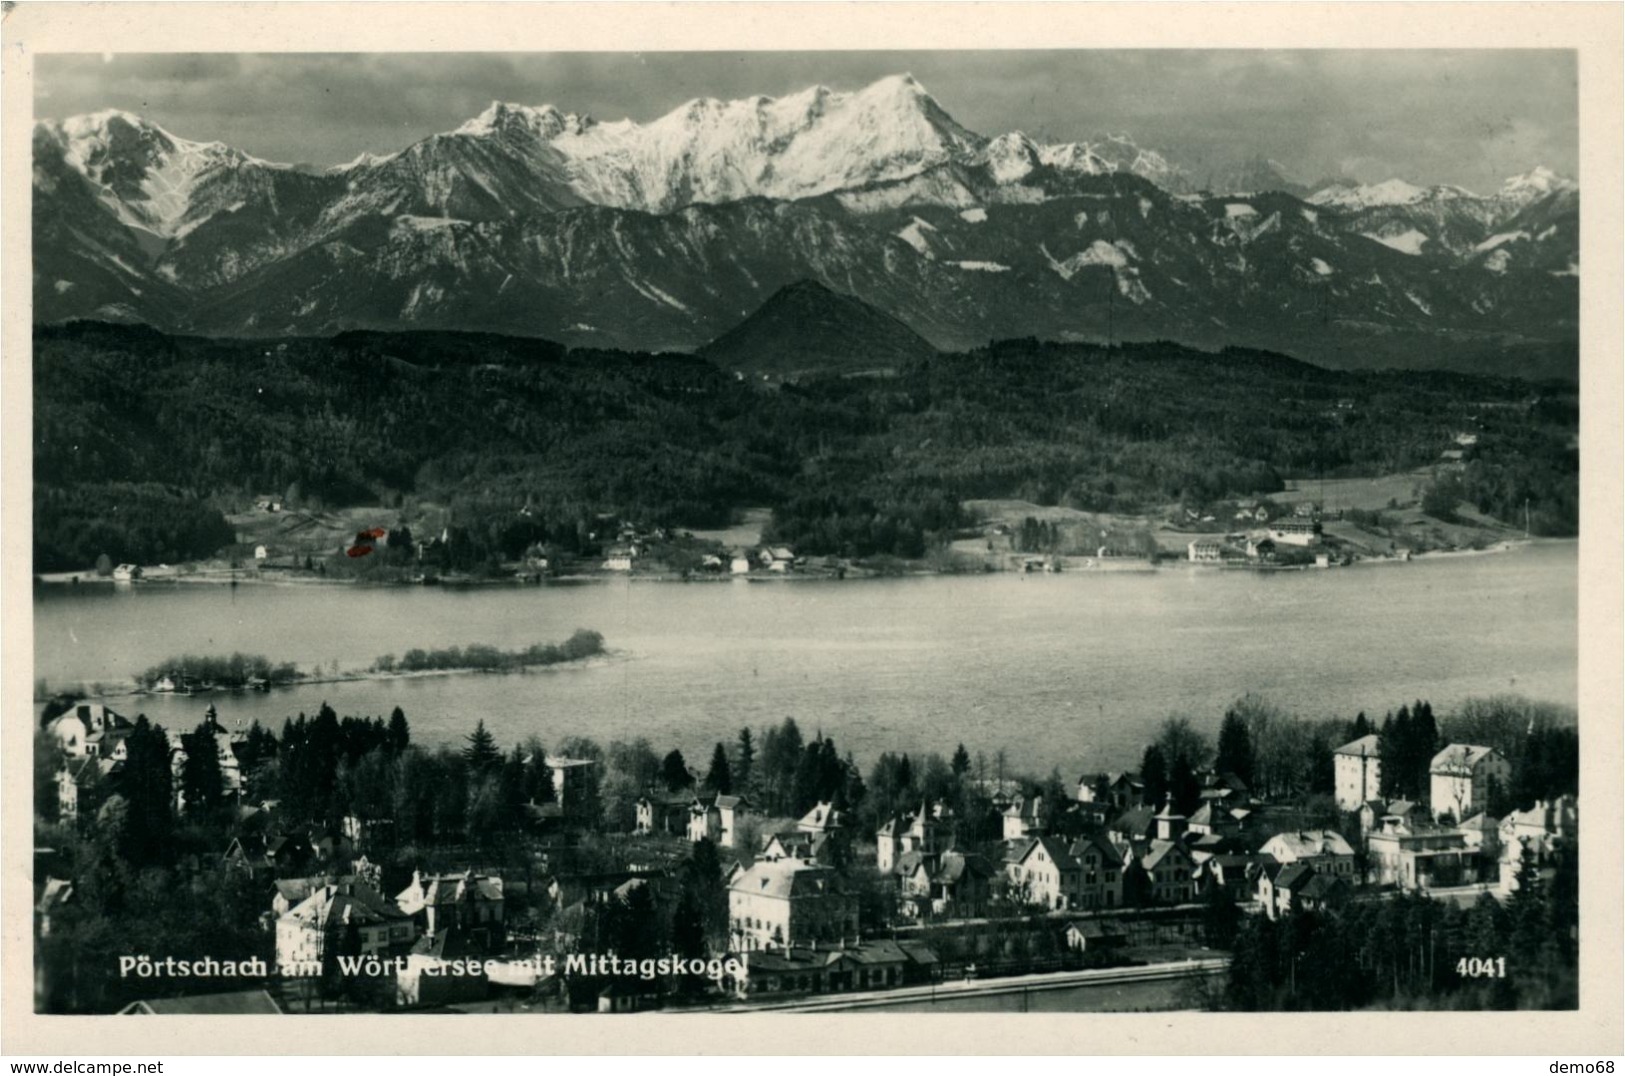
(1465, 117)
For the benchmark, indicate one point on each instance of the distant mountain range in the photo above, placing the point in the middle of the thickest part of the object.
(666, 235)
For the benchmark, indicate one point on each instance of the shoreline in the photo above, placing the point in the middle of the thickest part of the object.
(207, 577)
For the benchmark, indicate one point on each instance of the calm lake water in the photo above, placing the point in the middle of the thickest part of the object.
(1070, 669)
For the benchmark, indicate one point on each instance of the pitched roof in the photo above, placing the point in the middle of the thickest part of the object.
(1459, 759)
(823, 816)
(1320, 886)
(232, 1002)
(1161, 850)
(1309, 843)
(786, 879)
(1364, 747)
(1136, 821)
(957, 865)
(1054, 849)
(1294, 875)
(1099, 843)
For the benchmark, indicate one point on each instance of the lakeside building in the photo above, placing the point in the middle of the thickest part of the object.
(1460, 777)
(1324, 849)
(663, 813)
(89, 728)
(1357, 773)
(472, 903)
(1420, 855)
(717, 817)
(342, 913)
(1295, 532)
(789, 903)
(231, 776)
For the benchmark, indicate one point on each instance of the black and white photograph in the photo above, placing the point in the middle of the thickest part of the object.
(907, 531)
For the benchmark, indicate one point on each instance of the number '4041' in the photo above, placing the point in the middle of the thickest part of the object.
(1473, 967)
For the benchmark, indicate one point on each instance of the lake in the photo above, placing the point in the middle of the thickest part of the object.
(1073, 669)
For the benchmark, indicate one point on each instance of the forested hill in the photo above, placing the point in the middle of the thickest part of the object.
(141, 437)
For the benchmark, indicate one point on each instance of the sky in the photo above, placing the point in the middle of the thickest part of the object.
(1468, 117)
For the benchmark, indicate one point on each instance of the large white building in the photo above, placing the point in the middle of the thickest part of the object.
(1460, 779)
(789, 902)
(1357, 773)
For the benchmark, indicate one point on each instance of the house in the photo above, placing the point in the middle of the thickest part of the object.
(1460, 777)
(784, 903)
(1213, 819)
(231, 776)
(776, 558)
(1133, 826)
(349, 918)
(80, 730)
(570, 778)
(794, 844)
(1323, 892)
(1042, 871)
(1419, 854)
(740, 564)
(261, 553)
(962, 885)
(1278, 888)
(443, 969)
(1324, 849)
(1090, 935)
(1094, 788)
(1295, 532)
(1357, 773)
(664, 813)
(471, 902)
(1230, 871)
(1126, 791)
(83, 784)
(619, 558)
(1261, 548)
(1167, 873)
(922, 831)
(717, 818)
(1547, 829)
(825, 821)
(1025, 817)
(1205, 551)
(1101, 864)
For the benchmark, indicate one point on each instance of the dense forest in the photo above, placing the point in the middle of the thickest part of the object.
(141, 439)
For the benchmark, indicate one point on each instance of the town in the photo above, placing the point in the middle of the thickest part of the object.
(355, 870)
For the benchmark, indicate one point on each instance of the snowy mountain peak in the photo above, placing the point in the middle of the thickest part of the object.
(1010, 157)
(1533, 185)
(502, 118)
(1390, 192)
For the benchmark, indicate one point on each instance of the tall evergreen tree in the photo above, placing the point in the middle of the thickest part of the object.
(1360, 726)
(400, 733)
(146, 791)
(202, 783)
(1154, 774)
(718, 778)
(961, 761)
(744, 765)
(674, 771)
(1235, 748)
(481, 754)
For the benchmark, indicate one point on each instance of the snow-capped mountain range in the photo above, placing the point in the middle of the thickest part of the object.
(664, 234)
